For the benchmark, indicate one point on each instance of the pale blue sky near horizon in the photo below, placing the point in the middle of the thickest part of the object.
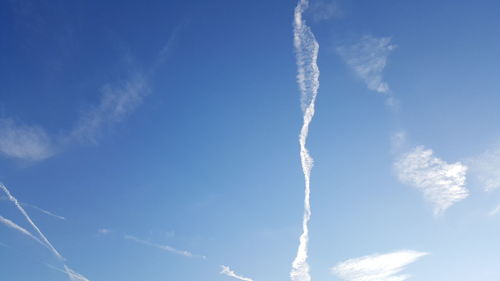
(176, 123)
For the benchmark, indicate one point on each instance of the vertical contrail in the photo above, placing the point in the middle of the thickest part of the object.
(306, 48)
(21, 209)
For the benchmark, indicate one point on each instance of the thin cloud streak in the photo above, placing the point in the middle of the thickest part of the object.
(306, 48)
(24, 142)
(73, 275)
(227, 271)
(21, 209)
(14, 226)
(378, 267)
(443, 184)
(163, 247)
(48, 213)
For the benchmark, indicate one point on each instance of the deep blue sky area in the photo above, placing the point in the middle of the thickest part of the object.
(159, 140)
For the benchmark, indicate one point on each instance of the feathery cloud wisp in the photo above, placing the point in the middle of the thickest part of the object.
(368, 59)
(384, 267)
(227, 271)
(164, 247)
(116, 103)
(13, 225)
(486, 168)
(24, 142)
(443, 184)
(306, 48)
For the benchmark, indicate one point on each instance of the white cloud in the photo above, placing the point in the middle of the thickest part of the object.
(164, 247)
(325, 10)
(368, 59)
(443, 184)
(117, 101)
(24, 142)
(104, 231)
(306, 48)
(227, 271)
(378, 267)
(73, 275)
(48, 213)
(486, 169)
(45, 241)
(14, 226)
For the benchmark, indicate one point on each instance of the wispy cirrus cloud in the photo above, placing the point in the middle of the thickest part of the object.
(117, 102)
(368, 59)
(163, 247)
(378, 267)
(24, 142)
(486, 169)
(443, 184)
(228, 272)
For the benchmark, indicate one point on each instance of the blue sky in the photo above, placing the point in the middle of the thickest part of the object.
(161, 140)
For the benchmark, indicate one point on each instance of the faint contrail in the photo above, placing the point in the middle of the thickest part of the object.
(227, 271)
(13, 225)
(306, 48)
(163, 247)
(36, 208)
(21, 209)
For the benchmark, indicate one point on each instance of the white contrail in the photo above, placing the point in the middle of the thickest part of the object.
(227, 271)
(48, 213)
(307, 49)
(163, 247)
(21, 209)
(13, 225)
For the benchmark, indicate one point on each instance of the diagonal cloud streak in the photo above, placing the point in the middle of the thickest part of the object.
(14, 226)
(48, 213)
(306, 48)
(163, 247)
(228, 272)
(21, 209)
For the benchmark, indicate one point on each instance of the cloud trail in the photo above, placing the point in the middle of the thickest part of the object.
(379, 267)
(306, 48)
(443, 184)
(13, 225)
(227, 271)
(21, 209)
(164, 247)
(73, 275)
(48, 213)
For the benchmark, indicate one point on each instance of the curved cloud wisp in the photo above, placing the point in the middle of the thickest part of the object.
(306, 48)
(227, 271)
(378, 267)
